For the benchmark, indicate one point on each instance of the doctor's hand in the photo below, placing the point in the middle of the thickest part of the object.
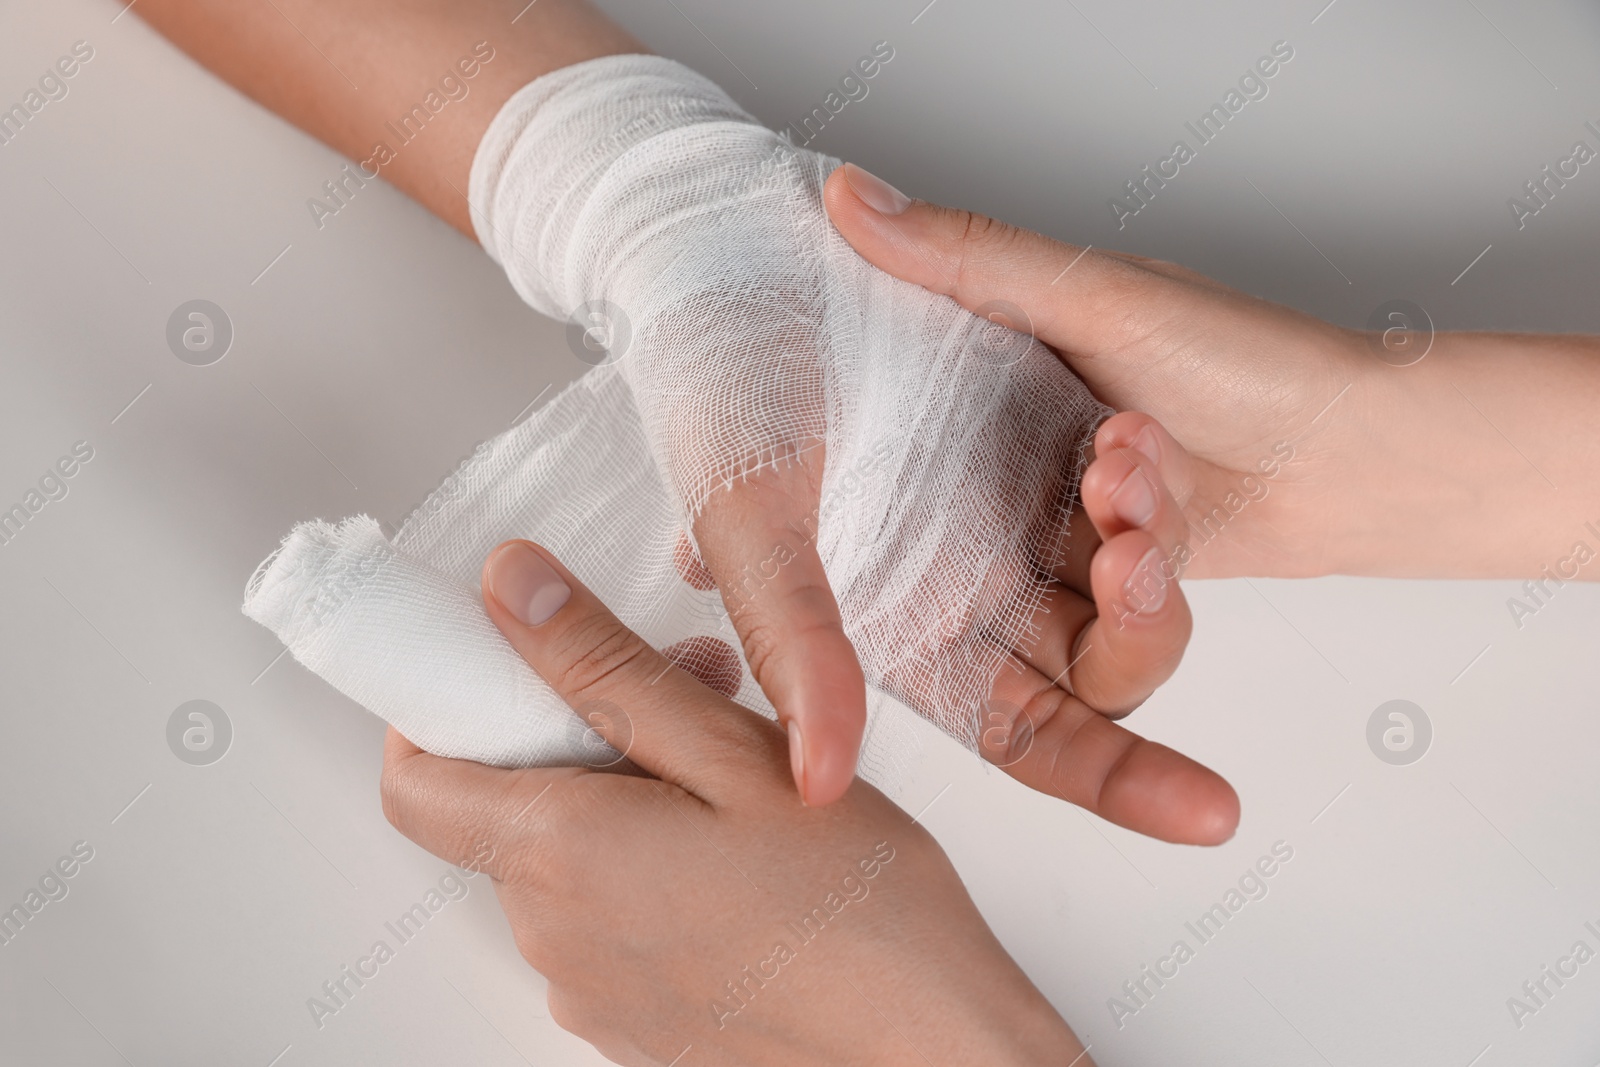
(1276, 411)
(1307, 449)
(703, 912)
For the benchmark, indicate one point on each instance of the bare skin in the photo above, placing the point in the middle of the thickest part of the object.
(1478, 461)
(705, 907)
(342, 70)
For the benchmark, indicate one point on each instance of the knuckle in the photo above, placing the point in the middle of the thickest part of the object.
(565, 1010)
(1164, 663)
(579, 1005)
(976, 228)
(1058, 760)
(542, 840)
(531, 945)
(594, 653)
(394, 792)
(763, 641)
(803, 613)
(527, 866)
(1120, 300)
(1113, 687)
(1130, 747)
(559, 816)
(980, 237)
(1043, 707)
(557, 842)
(1006, 733)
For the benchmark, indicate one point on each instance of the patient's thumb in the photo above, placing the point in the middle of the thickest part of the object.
(795, 643)
(757, 545)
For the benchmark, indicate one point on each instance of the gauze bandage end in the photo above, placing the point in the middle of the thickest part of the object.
(750, 331)
(437, 666)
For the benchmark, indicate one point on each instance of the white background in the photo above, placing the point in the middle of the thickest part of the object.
(376, 352)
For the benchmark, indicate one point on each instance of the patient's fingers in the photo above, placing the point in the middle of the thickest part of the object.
(1053, 742)
(758, 539)
(1110, 501)
(1122, 491)
(1116, 626)
(1143, 625)
(1141, 439)
(1112, 651)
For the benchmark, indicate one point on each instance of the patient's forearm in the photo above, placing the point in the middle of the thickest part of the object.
(343, 69)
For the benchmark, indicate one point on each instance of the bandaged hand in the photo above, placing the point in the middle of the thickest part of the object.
(851, 480)
(863, 467)
(704, 908)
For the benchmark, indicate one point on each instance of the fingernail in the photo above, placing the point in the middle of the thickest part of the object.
(1146, 589)
(1148, 444)
(528, 586)
(1135, 499)
(797, 758)
(878, 194)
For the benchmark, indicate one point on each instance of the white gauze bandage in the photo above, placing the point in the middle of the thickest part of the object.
(634, 198)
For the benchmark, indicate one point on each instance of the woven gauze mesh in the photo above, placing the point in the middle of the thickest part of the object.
(632, 193)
